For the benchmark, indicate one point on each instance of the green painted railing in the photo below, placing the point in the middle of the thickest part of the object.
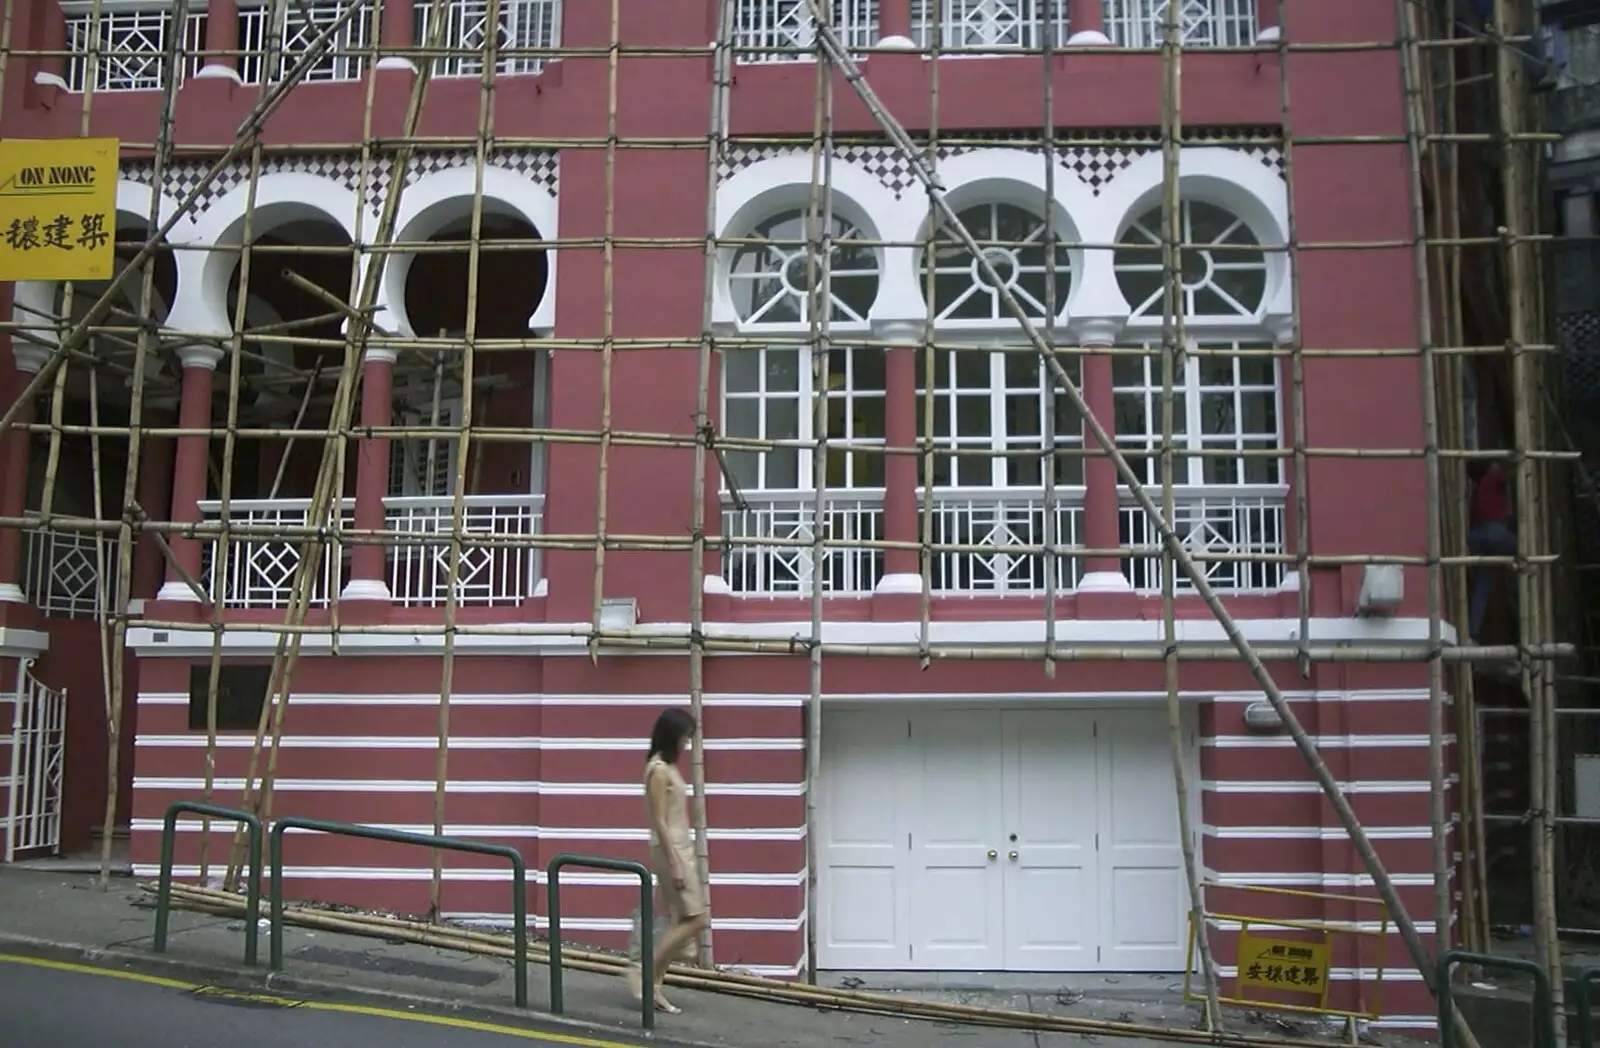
(252, 897)
(1583, 981)
(647, 1006)
(1544, 1026)
(519, 878)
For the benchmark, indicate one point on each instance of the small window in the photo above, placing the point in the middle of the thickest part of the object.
(241, 696)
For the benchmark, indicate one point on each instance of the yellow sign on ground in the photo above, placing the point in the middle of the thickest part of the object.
(1283, 964)
(58, 208)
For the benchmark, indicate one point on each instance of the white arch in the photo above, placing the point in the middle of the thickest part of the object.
(284, 196)
(1017, 177)
(34, 301)
(444, 196)
(1225, 177)
(783, 183)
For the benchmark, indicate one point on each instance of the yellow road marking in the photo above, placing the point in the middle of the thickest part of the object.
(324, 1006)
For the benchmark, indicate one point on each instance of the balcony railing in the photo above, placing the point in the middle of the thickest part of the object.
(1000, 521)
(492, 571)
(131, 41)
(1210, 523)
(790, 570)
(788, 23)
(1201, 23)
(261, 571)
(981, 24)
(62, 573)
(488, 573)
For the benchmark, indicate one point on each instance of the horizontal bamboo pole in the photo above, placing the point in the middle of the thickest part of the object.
(712, 980)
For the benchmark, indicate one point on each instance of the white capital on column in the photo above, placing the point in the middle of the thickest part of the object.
(199, 356)
(901, 331)
(380, 355)
(1096, 331)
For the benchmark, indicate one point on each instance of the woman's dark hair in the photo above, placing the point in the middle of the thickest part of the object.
(666, 739)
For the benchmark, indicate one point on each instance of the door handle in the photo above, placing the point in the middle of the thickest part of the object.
(1013, 856)
(993, 855)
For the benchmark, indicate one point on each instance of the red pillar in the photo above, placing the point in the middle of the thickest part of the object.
(372, 476)
(52, 69)
(189, 469)
(155, 484)
(1267, 31)
(902, 573)
(894, 23)
(1087, 20)
(1101, 527)
(399, 31)
(14, 484)
(222, 34)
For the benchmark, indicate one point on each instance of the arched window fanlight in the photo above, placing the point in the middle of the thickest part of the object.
(770, 282)
(1224, 274)
(1015, 242)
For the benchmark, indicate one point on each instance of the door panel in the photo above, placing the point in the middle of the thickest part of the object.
(1051, 896)
(1143, 891)
(864, 894)
(957, 907)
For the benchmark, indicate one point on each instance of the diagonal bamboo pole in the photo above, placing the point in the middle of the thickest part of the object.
(828, 40)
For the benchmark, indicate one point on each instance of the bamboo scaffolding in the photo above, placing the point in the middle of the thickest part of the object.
(721, 92)
(1174, 344)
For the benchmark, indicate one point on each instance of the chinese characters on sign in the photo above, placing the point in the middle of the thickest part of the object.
(58, 208)
(1282, 964)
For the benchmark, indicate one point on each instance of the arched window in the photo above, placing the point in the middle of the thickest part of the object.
(767, 391)
(1224, 272)
(1014, 241)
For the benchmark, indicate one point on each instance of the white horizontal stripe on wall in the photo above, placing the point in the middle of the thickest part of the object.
(1323, 880)
(1370, 928)
(484, 874)
(1284, 742)
(457, 742)
(562, 833)
(1305, 786)
(796, 699)
(176, 698)
(554, 789)
(1326, 833)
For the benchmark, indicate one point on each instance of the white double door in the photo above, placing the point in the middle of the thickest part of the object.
(988, 840)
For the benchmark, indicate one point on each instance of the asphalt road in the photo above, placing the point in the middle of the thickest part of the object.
(45, 1005)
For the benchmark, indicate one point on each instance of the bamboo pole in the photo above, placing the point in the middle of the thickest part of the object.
(1047, 417)
(1173, 359)
(608, 322)
(721, 90)
(830, 42)
(1437, 814)
(819, 313)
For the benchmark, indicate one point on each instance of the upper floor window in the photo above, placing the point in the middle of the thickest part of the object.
(771, 282)
(787, 24)
(982, 24)
(1223, 401)
(1201, 23)
(1015, 242)
(1224, 273)
(131, 41)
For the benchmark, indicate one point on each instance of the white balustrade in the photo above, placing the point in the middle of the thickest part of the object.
(1001, 520)
(989, 23)
(1201, 23)
(489, 573)
(131, 42)
(1216, 521)
(299, 28)
(789, 570)
(38, 730)
(261, 570)
(523, 23)
(788, 23)
(62, 572)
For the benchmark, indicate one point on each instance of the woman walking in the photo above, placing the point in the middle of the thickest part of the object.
(671, 850)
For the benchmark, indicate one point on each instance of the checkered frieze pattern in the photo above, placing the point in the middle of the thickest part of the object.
(1095, 165)
(538, 165)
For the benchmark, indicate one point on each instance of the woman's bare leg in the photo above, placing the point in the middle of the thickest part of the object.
(680, 933)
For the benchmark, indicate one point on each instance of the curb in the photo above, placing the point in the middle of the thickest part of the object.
(260, 978)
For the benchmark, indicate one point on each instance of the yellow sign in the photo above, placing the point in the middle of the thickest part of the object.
(1283, 964)
(58, 208)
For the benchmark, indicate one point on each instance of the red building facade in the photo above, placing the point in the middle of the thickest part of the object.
(973, 816)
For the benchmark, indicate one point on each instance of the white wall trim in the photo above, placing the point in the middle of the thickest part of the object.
(525, 786)
(509, 832)
(569, 638)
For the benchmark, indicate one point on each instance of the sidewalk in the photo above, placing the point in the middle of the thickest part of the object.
(67, 917)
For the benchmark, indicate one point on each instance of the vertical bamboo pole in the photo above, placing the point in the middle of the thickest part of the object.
(716, 139)
(1047, 417)
(930, 355)
(1174, 359)
(819, 313)
(491, 61)
(1437, 796)
(607, 330)
(224, 548)
(163, 156)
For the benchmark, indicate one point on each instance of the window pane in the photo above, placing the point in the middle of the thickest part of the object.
(1069, 469)
(783, 418)
(742, 418)
(1263, 470)
(1258, 371)
(1215, 370)
(1023, 370)
(1022, 416)
(972, 369)
(867, 417)
(1130, 414)
(783, 370)
(972, 416)
(745, 467)
(1260, 413)
(1216, 413)
(974, 471)
(868, 370)
(1127, 370)
(741, 371)
(1221, 470)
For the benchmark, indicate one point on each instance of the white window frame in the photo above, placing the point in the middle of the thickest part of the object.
(998, 439)
(806, 410)
(1186, 385)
